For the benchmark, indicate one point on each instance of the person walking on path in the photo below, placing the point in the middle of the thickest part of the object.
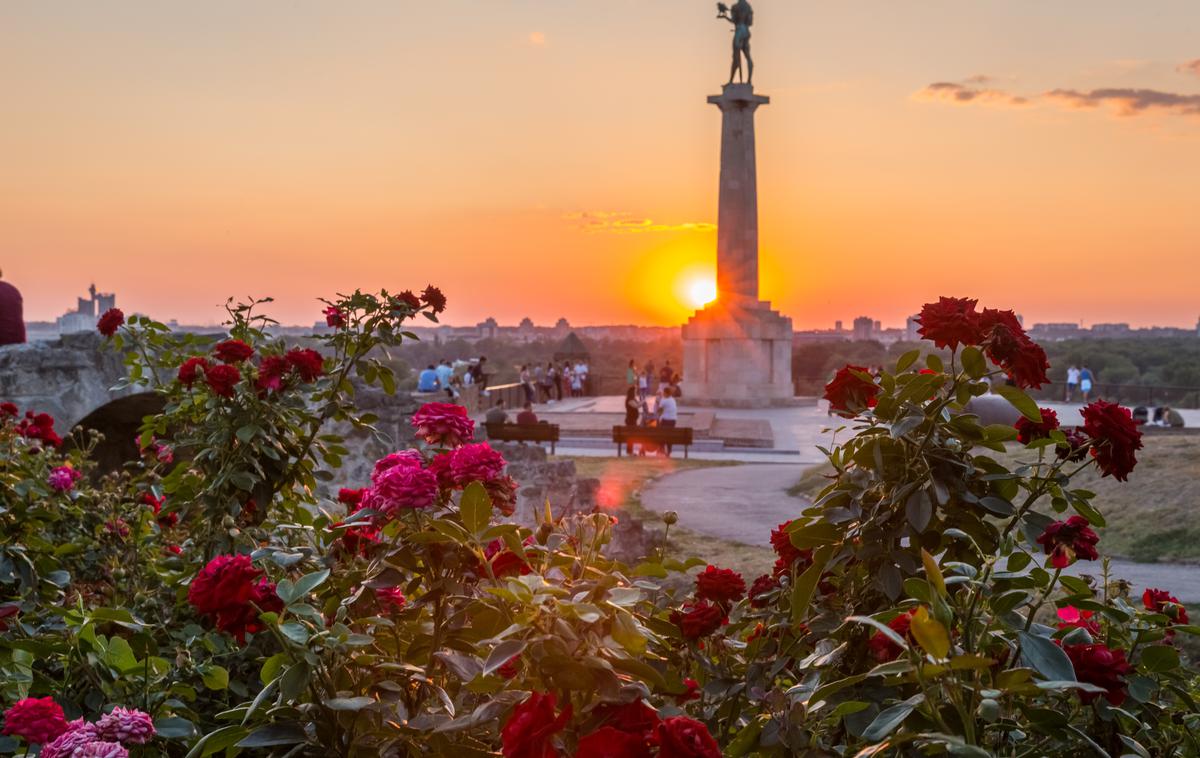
(1072, 381)
(1085, 383)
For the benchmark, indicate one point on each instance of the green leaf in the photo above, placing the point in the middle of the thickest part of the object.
(1045, 657)
(216, 741)
(747, 738)
(890, 718)
(919, 509)
(215, 677)
(476, 508)
(502, 654)
(248, 432)
(907, 359)
(882, 627)
(275, 734)
(806, 583)
(174, 727)
(348, 703)
(906, 425)
(973, 362)
(1160, 658)
(290, 593)
(809, 536)
(271, 668)
(1022, 402)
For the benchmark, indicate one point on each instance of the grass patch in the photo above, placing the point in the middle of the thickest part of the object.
(621, 483)
(1151, 518)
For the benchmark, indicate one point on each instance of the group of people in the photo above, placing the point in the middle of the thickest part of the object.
(638, 410)
(552, 382)
(443, 376)
(1081, 380)
(642, 382)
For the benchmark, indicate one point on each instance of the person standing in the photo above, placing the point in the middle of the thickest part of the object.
(1085, 383)
(668, 413)
(539, 378)
(631, 375)
(444, 372)
(526, 384)
(576, 382)
(556, 374)
(1072, 381)
(664, 376)
(581, 373)
(633, 411)
(643, 386)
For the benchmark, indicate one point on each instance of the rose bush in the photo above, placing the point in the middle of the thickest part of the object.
(919, 604)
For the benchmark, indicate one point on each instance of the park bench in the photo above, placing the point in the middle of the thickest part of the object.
(541, 432)
(652, 435)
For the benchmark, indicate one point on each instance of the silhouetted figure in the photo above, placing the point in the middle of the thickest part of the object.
(12, 315)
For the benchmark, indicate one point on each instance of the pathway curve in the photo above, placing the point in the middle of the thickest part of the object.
(744, 503)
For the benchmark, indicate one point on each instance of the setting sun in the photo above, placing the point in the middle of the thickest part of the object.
(701, 292)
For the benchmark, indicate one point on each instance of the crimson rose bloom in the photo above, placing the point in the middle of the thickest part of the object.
(334, 318)
(1161, 601)
(226, 591)
(1011, 349)
(1071, 617)
(758, 591)
(443, 424)
(682, 737)
(528, 731)
(1117, 438)
(110, 321)
(1075, 448)
(307, 364)
(720, 585)
(433, 297)
(402, 487)
(1099, 665)
(635, 718)
(9, 409)
(409, 299)
(607, 742)
(503, 492)
(191, 370)
(39, 426)
(271, 372)
(698, 619)
(950, 322)
(37, 720)
(475, 463)
(789, 554)
(221, 379)
(1068, 540)
(1028, 431)
(691, 691)
(399, 458)
(508, 563)
(848, 393)
(882, 647)
(165, 520)
(351, 498)
(233, 351)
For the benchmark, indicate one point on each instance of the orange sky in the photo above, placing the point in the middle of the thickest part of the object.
(558, 158)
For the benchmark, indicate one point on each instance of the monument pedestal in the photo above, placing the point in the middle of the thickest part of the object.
(737, 352)
(738, 355)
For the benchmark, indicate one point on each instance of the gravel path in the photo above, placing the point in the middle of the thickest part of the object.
(744, 503)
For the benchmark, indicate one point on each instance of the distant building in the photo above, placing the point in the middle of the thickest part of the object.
(864, 328)
(1055, 331)
(912, 329)
(87, 311)
(1110, 330)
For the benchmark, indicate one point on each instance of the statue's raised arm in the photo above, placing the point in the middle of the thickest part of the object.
(741, 15)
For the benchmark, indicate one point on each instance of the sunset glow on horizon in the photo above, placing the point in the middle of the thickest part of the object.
(559, 160)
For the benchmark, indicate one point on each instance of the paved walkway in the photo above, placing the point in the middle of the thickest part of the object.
(744, 503)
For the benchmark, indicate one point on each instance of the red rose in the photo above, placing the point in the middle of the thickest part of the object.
(529, 730)
(1011, 349)
(308, 364)
(1116, 438)
(634, 718)
(191, 370)
(882, 647)
(762, 586)
(720, 585)
(789, 554)
(1075, 449)
(390, 599)
(1068, 540)
(110, 321)
(1028, 431)
(221, 379)
(334, 317)
(443, 424)
(508, 563)
(682, 737)
(1161, 601)
(950, 322)
(849, 393)
(7, 611)
(607, 742)
(271, 372)
(165, 520)
(9, 409)
(698, 619)
(476, 463)
(357, 540)
(511, 667)
(351, 498)
(233, 351)
(1071, 617)
(402, 488)
(503, 492)
(408, 299)
(691, 691)
(37, 720)
(227, 591)
(1097, 664)
(39, 426)
(433, 297)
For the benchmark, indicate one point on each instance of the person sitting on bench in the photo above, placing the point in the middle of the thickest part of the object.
(527, 417)
(496, 414)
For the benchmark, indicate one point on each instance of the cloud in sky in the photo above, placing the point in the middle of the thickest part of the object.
(1123, 101)
(969, 93)
(536, 39)
(623, 222)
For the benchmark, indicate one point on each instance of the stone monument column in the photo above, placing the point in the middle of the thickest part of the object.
(737, 216)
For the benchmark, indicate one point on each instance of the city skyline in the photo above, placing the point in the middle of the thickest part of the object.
(180, 155)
